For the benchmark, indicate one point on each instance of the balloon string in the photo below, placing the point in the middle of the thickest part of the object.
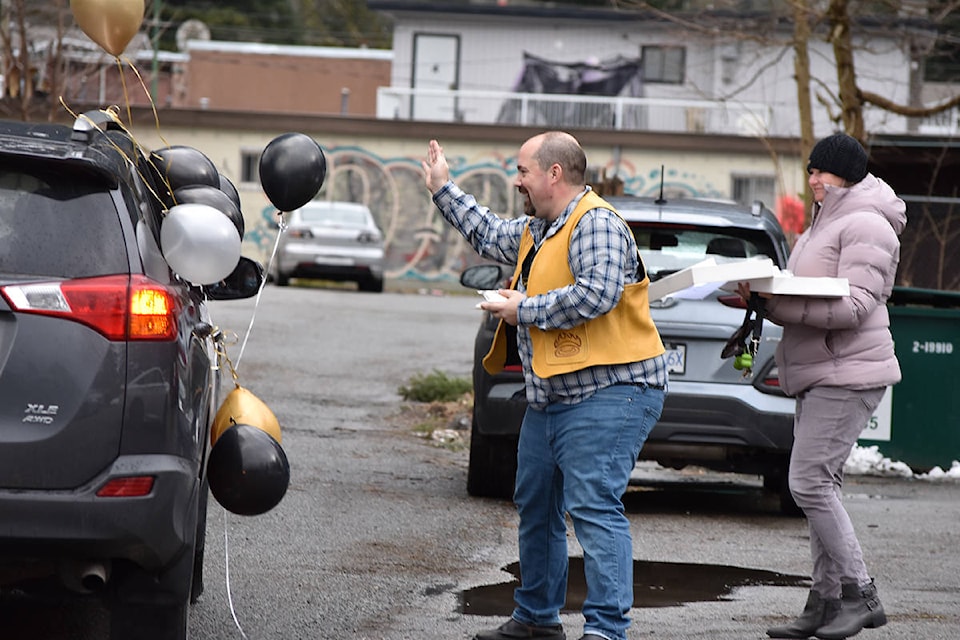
(123, 84)
(156, 120)
(226, 567)
(153, 106)
(221, 352)
(256, 305)
(233, 370)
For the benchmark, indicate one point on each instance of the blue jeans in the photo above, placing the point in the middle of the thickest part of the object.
(578, 459)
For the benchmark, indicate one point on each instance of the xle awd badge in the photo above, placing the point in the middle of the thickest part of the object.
(40, 413)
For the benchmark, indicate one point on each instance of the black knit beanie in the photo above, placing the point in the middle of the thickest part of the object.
(841, 155)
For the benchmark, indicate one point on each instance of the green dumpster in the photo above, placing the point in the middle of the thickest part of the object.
(924, 408)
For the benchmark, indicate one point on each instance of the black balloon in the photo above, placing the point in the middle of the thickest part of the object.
(247, 470)
(214, 197)
(180, 166)
(228, 188)
(292, 170)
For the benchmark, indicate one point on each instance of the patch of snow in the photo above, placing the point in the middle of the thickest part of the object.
(446, 436)
(869, 461)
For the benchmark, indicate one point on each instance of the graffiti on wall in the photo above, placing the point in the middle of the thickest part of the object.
(420, 245)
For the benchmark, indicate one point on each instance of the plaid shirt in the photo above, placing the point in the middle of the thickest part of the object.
(603, 257)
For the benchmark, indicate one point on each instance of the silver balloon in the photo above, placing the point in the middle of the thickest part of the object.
(199, 243)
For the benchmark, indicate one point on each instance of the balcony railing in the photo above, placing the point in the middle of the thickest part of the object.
(945, 123)
(576, 111)
(667, 115)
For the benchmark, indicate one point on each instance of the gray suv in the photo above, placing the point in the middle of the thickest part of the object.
(714, 416)
(107, 382)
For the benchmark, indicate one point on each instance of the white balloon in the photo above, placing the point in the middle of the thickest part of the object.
(200, 244)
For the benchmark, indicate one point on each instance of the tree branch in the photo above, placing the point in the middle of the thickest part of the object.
(911, 112)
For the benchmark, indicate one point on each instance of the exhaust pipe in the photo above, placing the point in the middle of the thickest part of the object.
(94, 576)
(85, 576)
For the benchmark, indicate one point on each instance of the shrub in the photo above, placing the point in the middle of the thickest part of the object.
(434, 387)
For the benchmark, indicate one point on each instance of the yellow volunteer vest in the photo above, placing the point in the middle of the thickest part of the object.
(625, 334)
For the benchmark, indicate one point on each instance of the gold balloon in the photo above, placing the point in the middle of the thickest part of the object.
(109, 23)
(242, 407)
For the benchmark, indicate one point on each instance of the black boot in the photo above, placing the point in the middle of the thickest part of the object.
(514, 630)
(860, 608)
(816, 613)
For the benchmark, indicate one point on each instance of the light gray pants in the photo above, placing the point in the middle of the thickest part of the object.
(827, 425)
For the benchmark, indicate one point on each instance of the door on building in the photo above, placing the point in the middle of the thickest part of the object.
(436, 69)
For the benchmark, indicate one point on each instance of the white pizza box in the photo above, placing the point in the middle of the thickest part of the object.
(710, 271)
(785, 283)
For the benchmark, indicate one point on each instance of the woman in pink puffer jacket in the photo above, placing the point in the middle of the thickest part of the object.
(836, 357)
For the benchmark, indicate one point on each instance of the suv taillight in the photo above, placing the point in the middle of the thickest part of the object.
(767, 379)
(118, 307)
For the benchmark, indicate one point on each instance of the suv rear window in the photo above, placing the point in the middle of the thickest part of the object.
(57, 223)
(667, 248)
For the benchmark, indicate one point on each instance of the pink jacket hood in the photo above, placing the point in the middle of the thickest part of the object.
(844, 342)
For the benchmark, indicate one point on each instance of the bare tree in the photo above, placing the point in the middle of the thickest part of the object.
(927, 256)
(18, 67)
(851, 98)
(31, 45)
(834, 23)
(47, 62)
(801, 70)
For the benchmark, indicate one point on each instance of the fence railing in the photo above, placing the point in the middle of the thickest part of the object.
(670, 115)
(576, 111)
(945, 123)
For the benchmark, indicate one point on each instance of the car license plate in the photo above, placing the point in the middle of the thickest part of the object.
(676, 357)
(335, 261)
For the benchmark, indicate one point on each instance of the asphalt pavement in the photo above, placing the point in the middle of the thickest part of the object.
(377, 539)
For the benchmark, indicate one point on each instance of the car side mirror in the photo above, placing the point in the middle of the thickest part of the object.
(243, 282)
(482, 276)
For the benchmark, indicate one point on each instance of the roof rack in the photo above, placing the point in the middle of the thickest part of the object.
(100, 120)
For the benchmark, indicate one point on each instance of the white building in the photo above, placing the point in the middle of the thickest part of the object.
(464, 62)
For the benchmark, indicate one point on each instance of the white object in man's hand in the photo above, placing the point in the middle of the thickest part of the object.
(490, 295)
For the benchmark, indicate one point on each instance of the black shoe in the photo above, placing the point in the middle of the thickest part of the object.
(860, 608)
(816, 613)
(511, 630)
(591, 636)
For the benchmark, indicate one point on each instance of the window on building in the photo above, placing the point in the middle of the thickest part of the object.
(663, 64)
(250, 165)
(747, 189)
(943, 63)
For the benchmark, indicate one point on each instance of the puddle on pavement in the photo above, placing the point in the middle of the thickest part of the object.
(655, 584)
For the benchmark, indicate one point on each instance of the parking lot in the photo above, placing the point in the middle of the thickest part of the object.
(376, 538)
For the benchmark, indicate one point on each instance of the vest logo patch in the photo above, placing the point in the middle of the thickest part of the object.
(566, 345)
